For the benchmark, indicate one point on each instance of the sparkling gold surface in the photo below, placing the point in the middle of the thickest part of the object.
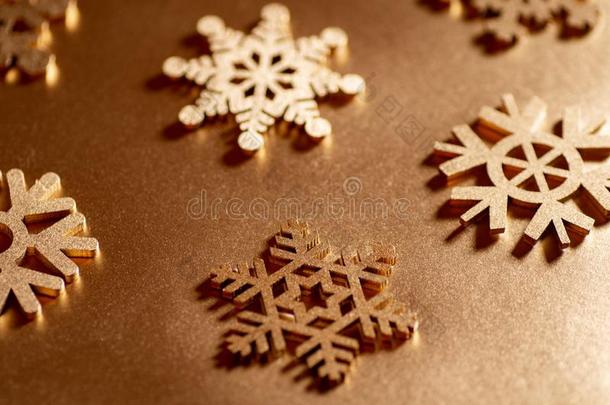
(496, 327)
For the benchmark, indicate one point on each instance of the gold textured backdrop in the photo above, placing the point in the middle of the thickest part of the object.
(496, 327)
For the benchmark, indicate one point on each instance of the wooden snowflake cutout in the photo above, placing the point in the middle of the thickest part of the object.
(21, 24)
(506, 21)
(52, 246)
(263, 77)
(530, 167)
(328, 307)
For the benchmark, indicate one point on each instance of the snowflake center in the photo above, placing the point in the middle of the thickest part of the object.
(266, 83)
(264, 76)
(314, 297)
(533, 171)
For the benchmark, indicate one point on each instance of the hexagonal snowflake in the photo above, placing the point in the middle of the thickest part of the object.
(263, 76)
(52, 246)
(529, 166)
(506, 21)
(21, 23)
(329, 307)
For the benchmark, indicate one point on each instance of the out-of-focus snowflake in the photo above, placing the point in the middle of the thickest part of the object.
(53, 246)
(21, 25)
(263, 77)
(506, 21)
(327, 306)
(530, 167)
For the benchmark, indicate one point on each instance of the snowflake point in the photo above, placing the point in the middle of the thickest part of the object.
(175, 67)
(250, 142)
(276, 12)
(334, 37)
(318, 128)
(210, 25)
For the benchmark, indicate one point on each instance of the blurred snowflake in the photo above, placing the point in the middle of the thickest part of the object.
(506, 21)
(22, 23)
(263, 77)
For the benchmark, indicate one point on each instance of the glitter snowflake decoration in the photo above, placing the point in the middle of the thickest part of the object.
(530, 167)
(263, 77)
(505, 21)
(21, 24)
(328, 306)
(52, 246)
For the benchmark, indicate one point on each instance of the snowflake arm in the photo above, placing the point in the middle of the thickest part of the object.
(22, 283)
(330, 354)
(473, 153)
(367, 272)
(391, 319)
(584, 136)
(556, 213)
(295, 241)
(37, 203)
(511, 120)
(55, 245)
(491, 198)
(256, 333)
(596, 183)
(242, 283)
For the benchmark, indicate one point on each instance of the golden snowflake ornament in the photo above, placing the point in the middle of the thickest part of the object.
(530, 167)
(327, 306)
(506, 21)
(263, 77)
(21, 25)
(53, 246)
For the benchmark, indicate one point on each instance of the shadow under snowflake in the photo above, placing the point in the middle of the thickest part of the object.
(322, 308)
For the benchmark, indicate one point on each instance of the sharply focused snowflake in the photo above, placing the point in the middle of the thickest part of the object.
(52, 246)
(263, 77)
(505, 21)
(327, 306)
(21, 23)
(532, 167)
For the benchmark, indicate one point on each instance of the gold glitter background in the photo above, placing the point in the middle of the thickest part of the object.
(497, 327)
